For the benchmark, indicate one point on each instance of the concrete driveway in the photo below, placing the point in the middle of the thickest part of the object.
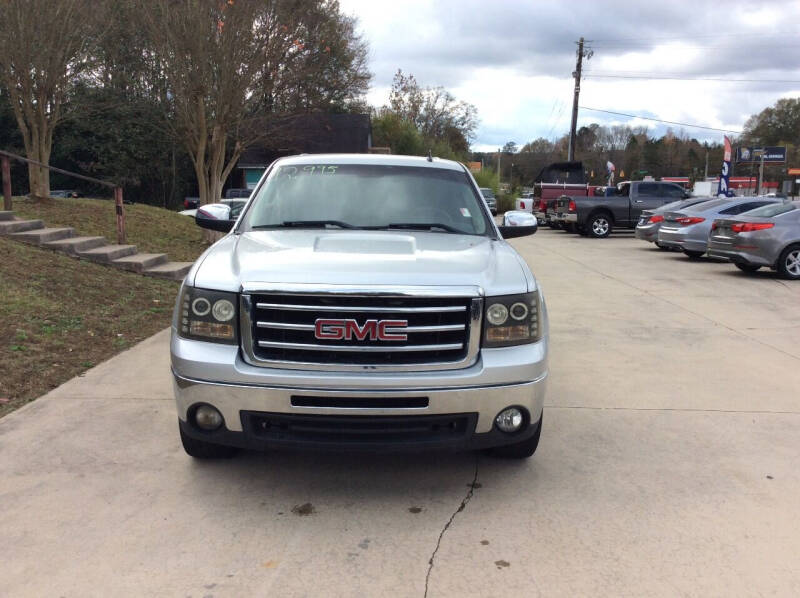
(669, 465)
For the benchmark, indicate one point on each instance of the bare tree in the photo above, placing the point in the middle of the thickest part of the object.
(42, 50)
(434, 110)
(230, 65)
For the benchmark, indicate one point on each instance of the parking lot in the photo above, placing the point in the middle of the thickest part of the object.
(668, 465)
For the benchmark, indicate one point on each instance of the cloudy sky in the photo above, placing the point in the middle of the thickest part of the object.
(513, 59)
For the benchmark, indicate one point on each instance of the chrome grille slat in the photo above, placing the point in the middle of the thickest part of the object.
(310, 327)
(361, 349)
(365, 309)
(443, 331)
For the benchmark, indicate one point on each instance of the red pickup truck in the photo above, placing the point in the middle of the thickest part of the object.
(554, 181)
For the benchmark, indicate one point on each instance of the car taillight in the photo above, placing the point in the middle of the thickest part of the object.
(690, 220)
(749, 227)
(572, 206)
(543, 205)
(186, 203)
(522, 205)
(656, 218)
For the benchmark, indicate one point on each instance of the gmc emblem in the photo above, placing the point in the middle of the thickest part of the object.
(374, 330)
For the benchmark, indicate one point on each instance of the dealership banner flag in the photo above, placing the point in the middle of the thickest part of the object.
(722, 188)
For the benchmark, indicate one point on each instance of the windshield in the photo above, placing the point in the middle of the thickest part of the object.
(368, 196)
(773, 209)
(487, 193)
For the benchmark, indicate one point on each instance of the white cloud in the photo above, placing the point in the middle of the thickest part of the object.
(513, 60)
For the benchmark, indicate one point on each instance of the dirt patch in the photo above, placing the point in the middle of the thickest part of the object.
(304, 509)
(60, 316)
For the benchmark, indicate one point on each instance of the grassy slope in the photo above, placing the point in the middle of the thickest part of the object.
(151, 229)
(60, 316)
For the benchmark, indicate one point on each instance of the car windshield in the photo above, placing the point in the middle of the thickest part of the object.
(487, 193)
(773, 209)
(368, 196)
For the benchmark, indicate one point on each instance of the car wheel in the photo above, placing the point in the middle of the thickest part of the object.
(600, 226)
(200, 449)
(747, 267)
(519, 450)
(694, 254)
(789, 263)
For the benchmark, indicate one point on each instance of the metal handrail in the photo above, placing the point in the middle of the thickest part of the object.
(7, 202)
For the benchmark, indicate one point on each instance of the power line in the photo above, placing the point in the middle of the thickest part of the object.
(658, 120)
(738, 35)
(668, 78)
(642, 46)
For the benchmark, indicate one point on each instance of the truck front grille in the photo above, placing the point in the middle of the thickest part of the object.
(360, 330)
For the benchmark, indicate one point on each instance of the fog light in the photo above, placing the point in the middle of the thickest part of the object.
(509, 420)
(207, 417)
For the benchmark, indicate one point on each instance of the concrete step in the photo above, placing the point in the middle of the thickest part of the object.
(17, 226)
(73, 245)
(40, 236)
(171, 270)
(107, 253)
(138, 262)
(6, 215)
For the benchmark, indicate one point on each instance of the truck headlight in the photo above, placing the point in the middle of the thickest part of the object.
(207, 315)
(512, 320)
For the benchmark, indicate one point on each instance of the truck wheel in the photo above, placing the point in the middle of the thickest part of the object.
(199, 449)
(519, 450)
(747, 267)
(789, 263)
(693, 255)
(600, 225)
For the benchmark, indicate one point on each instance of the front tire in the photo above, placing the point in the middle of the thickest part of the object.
(789, 263)
(600, 226)
(693, 255)
(748, 267)
(200, 449)
(519, 450)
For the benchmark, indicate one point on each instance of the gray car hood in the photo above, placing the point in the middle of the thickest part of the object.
(361, 258)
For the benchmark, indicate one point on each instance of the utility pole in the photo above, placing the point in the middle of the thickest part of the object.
(577, 76)
(761, 172)
(705, 177)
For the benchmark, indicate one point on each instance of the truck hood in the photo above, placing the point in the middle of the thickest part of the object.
(397, 258)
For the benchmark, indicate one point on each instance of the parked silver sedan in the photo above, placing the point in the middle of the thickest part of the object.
(688, 229)
(650, 220)
(766, 237)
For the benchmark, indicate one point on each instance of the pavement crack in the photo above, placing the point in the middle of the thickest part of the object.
(461, 507)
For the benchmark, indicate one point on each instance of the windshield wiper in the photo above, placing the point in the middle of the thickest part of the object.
(306, 224)
(423, 226)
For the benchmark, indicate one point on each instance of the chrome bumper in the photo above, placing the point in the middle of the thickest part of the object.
(567, 217)
(486, 401)
(216, 374)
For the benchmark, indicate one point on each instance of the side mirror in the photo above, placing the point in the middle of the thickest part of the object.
(215, 216)
(509, 232)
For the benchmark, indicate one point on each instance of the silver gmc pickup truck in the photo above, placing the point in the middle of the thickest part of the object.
(360, 302)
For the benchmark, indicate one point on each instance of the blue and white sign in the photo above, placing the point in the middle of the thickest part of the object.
(751, 155)
(724, 188)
